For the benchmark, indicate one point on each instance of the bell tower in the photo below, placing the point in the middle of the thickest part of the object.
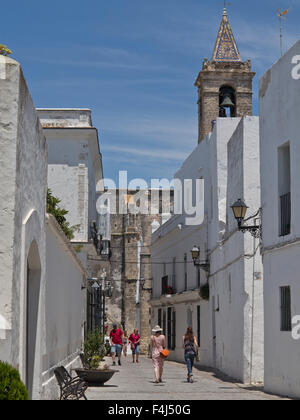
(224, 83)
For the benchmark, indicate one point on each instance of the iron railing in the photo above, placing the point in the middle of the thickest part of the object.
(95, 309)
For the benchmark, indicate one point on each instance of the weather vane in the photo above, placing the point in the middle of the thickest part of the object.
(281, 15)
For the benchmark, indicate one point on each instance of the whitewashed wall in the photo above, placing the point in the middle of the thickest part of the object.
(279, 110)
(74, 165)
(65, 308)
(238, 295)
(174, 239)
(23, 173)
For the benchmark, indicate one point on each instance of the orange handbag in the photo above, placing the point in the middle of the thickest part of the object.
(164, 354)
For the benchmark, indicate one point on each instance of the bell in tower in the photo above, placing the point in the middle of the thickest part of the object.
(224, 83)
(227, 102)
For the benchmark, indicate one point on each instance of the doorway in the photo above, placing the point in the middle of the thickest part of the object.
(32, 312)
(214, 338)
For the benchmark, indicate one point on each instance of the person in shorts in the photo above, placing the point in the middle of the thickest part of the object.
(116, 341)
(135, 341)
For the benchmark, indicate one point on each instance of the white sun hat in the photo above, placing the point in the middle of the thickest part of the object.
(156, 329)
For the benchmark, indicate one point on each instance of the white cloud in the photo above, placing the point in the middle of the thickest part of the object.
(177, 155)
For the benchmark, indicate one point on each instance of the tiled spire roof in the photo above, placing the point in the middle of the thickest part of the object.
(226, 48)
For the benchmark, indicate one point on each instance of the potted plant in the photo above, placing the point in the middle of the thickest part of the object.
(170, 290)
(95, 371)
(204, 291)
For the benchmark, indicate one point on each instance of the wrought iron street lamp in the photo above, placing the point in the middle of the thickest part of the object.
(239, 209)
(196, 255)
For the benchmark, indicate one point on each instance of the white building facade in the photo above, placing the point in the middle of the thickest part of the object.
(74, 165)
(42, 304)
(229, 325)
(280, 198)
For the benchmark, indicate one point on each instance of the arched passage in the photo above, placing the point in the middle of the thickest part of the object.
(32, 304)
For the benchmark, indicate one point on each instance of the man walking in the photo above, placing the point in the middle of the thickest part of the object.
(135, 340)
(116, 340)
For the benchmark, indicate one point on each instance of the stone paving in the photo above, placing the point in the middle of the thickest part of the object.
(136, 382)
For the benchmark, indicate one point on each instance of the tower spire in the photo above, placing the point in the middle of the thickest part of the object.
(225, 48)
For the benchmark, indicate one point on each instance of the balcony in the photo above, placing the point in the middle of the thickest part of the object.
(166, 289)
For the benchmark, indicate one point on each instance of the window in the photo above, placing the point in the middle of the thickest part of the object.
(159, 317)
(285, 214)
(174, 275)
(164, 285)
(284, 189)
(285, 308)
(171, 332)
(189, 318)
(198, 271)
(166, 288)
(169, 336)
(185, 273)
(199, 325)
(173, 346)
(164, 325)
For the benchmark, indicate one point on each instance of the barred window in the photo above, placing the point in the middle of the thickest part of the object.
(169, 341)
(171, 332)
(285, 308)
(173, 347)
(199, 325)
(164, 326)
(159, 317)
(185, 273)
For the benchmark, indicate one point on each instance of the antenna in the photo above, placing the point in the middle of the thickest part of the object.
(281, 15)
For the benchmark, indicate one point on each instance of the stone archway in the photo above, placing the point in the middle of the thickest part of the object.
(32, 311)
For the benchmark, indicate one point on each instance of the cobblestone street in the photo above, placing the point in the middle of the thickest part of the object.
(136, 382)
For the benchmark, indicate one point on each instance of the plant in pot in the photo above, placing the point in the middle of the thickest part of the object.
(96, 371)
(204, 291)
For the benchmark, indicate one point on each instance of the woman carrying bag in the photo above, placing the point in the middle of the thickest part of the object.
(158, 343)
(190, 345)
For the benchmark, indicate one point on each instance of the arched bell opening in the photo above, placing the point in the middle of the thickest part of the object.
(227, 102)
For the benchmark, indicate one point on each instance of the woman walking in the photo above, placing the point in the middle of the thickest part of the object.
(158, 343)
(135, 341)
(190, 346)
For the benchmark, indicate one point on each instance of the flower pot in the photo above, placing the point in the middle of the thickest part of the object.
(95, 377)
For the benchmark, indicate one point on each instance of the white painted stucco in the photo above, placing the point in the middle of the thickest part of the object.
(65, 307)
(229, 340)
(22, 206)
(236, 271)
(74, 165)
(279, 124)
(42, 305)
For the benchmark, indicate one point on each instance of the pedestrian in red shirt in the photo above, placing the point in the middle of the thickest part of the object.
(135, 341)
(116, 340)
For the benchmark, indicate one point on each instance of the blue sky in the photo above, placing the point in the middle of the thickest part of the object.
(134, 63)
